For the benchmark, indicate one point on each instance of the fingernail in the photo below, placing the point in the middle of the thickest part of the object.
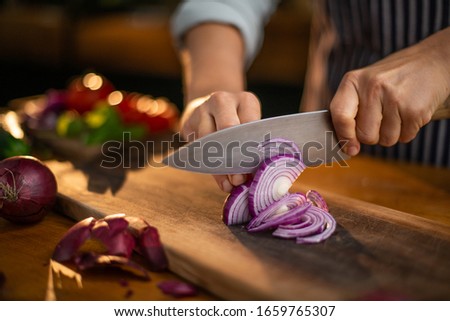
(226, 186)
(237, 179)
(352, 150)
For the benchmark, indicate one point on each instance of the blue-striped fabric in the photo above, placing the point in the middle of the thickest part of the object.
(368, 30)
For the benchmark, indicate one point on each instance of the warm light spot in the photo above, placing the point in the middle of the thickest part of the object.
(92, 81)
(32, 107)
(12, 124)
(60, 270)
(154, 108)
(162, 105)
(115, 98)
(144, 104)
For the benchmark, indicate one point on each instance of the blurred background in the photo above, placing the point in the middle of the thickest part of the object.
(45, 43)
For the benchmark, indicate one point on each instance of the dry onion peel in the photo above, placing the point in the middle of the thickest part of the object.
(118, 237)
(177, 289)
(90, 260)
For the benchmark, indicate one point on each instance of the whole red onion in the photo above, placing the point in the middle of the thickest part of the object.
(27, 189)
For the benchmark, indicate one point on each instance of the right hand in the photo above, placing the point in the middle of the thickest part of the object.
(217, 111)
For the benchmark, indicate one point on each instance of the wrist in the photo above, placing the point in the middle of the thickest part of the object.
(438, 47)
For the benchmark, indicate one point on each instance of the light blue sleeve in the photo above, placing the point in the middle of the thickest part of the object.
(248, 16)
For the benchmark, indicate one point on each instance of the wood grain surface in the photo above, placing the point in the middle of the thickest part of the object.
(376, 251)
(24, 262)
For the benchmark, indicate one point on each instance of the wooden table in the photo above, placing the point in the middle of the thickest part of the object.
(25, 250)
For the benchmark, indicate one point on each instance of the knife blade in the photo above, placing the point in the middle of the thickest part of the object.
(235, 150)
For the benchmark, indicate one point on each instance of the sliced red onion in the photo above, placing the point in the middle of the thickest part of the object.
(112, 232)
(316, 199)
(89, 260)
(235, 209)
(328, 229)
(177, 289)
(310, 223)
(293, 216)
(73, 239)
(319, 226)
(148, 243)
(272, 181)
(277, 212)
(278, 146)
(151, 248)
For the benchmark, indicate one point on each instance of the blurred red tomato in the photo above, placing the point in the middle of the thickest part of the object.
(158, 115)
(85, 91)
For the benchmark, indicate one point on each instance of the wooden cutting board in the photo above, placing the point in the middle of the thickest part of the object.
(375, 253)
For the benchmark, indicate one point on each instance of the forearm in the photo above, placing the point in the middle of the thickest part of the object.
(212, 60)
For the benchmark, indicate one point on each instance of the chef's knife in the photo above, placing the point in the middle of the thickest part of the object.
(235, 150)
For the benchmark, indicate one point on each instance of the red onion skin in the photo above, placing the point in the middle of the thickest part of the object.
(316, 199)
(177, 289)
(113, 233)
(73, 239)
(279, 146)
(148, 243)
(119, 234)
(151, 248)
(28, 189)
(230, 215)
(89, 260)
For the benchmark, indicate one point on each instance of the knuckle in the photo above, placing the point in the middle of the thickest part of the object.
(250, 105)
(406, 138)
(387, 140)
(408, 133)
(351, 77)
(417, 117)
(366, 137)
(375, 85)
(249, 98)
(219, 99)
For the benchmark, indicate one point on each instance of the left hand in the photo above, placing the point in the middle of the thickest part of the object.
(389, 101)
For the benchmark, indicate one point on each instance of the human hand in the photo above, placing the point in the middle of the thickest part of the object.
(389, 101)
(217, 111)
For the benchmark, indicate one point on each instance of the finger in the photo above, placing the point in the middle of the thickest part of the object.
(390, 124)
(409, 129)
(201, 122)
(223, 109)
(368, 121)
(237, 179)
(223, 182)
(205, 126)
(249, 108)
(344, 108)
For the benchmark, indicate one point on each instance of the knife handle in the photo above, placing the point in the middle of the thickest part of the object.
(443, 111)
